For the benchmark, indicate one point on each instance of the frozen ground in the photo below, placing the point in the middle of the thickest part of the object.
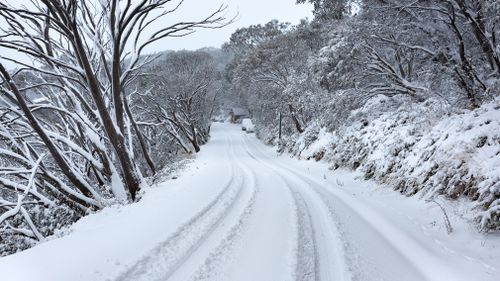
(239, 212)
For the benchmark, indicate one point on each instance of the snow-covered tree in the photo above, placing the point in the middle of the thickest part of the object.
(68, 135)
(182, 88)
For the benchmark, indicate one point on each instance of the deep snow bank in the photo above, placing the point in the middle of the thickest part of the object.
(417, 150)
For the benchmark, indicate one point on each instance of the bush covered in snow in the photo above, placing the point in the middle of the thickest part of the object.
(418, 149)
(49, 221)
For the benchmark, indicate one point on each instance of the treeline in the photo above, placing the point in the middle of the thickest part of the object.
(89, 118)
(365, 63)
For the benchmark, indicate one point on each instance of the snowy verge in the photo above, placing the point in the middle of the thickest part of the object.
(473, 253)
(418, 151)
(106, 244)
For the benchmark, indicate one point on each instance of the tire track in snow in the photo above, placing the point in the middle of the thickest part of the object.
(212, 265)
(262, 250)
(425, 267)
(351, 252)
(344, 263)
(338, 263)
(307, 268)
(307, 257)
(161, 262)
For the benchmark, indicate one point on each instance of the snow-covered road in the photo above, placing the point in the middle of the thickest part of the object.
(239, 212)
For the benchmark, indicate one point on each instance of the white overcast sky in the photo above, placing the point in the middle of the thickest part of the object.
(248, 12)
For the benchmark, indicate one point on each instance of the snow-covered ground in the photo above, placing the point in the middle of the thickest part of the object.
(239, 212)
(418, 151)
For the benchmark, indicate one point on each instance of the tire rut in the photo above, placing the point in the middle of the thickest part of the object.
(350, 267)
(307, 257)
(162, 261)
(334, 199)
(221, 253)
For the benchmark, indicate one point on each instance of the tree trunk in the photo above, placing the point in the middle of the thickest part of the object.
(279, 130)
(54, 151)
(480, 34)
(139, 135)
(294, 119)
(194, 139)
(116, 138)
(466, 80)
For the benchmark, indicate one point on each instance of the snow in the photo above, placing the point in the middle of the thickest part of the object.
(117, 185)
(240, 212)
(418, 151)
(106, 243)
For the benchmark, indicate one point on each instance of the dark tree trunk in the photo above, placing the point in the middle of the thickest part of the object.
(54, 151)
(296, 121)
(480, 33)
(279, 130)
(116, 138)
(194, 139)
(467, 78)
(139, 136)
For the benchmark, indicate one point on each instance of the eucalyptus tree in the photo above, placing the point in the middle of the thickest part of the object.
(444, 49)
(181, 97)
(72, 144)
(272, 55)
(330, 9)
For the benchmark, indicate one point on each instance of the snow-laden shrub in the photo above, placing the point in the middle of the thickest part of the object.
(418, 148)
(48, 221)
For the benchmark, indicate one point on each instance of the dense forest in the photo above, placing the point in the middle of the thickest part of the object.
(405, 92)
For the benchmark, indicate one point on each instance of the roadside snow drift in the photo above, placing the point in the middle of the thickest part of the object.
(457, 156)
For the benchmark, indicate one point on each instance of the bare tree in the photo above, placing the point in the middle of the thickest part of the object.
(182, 96)
(85, 53)
(273, 57)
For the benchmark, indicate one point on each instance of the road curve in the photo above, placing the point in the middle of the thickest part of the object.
(272, 221)
(239, 212)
